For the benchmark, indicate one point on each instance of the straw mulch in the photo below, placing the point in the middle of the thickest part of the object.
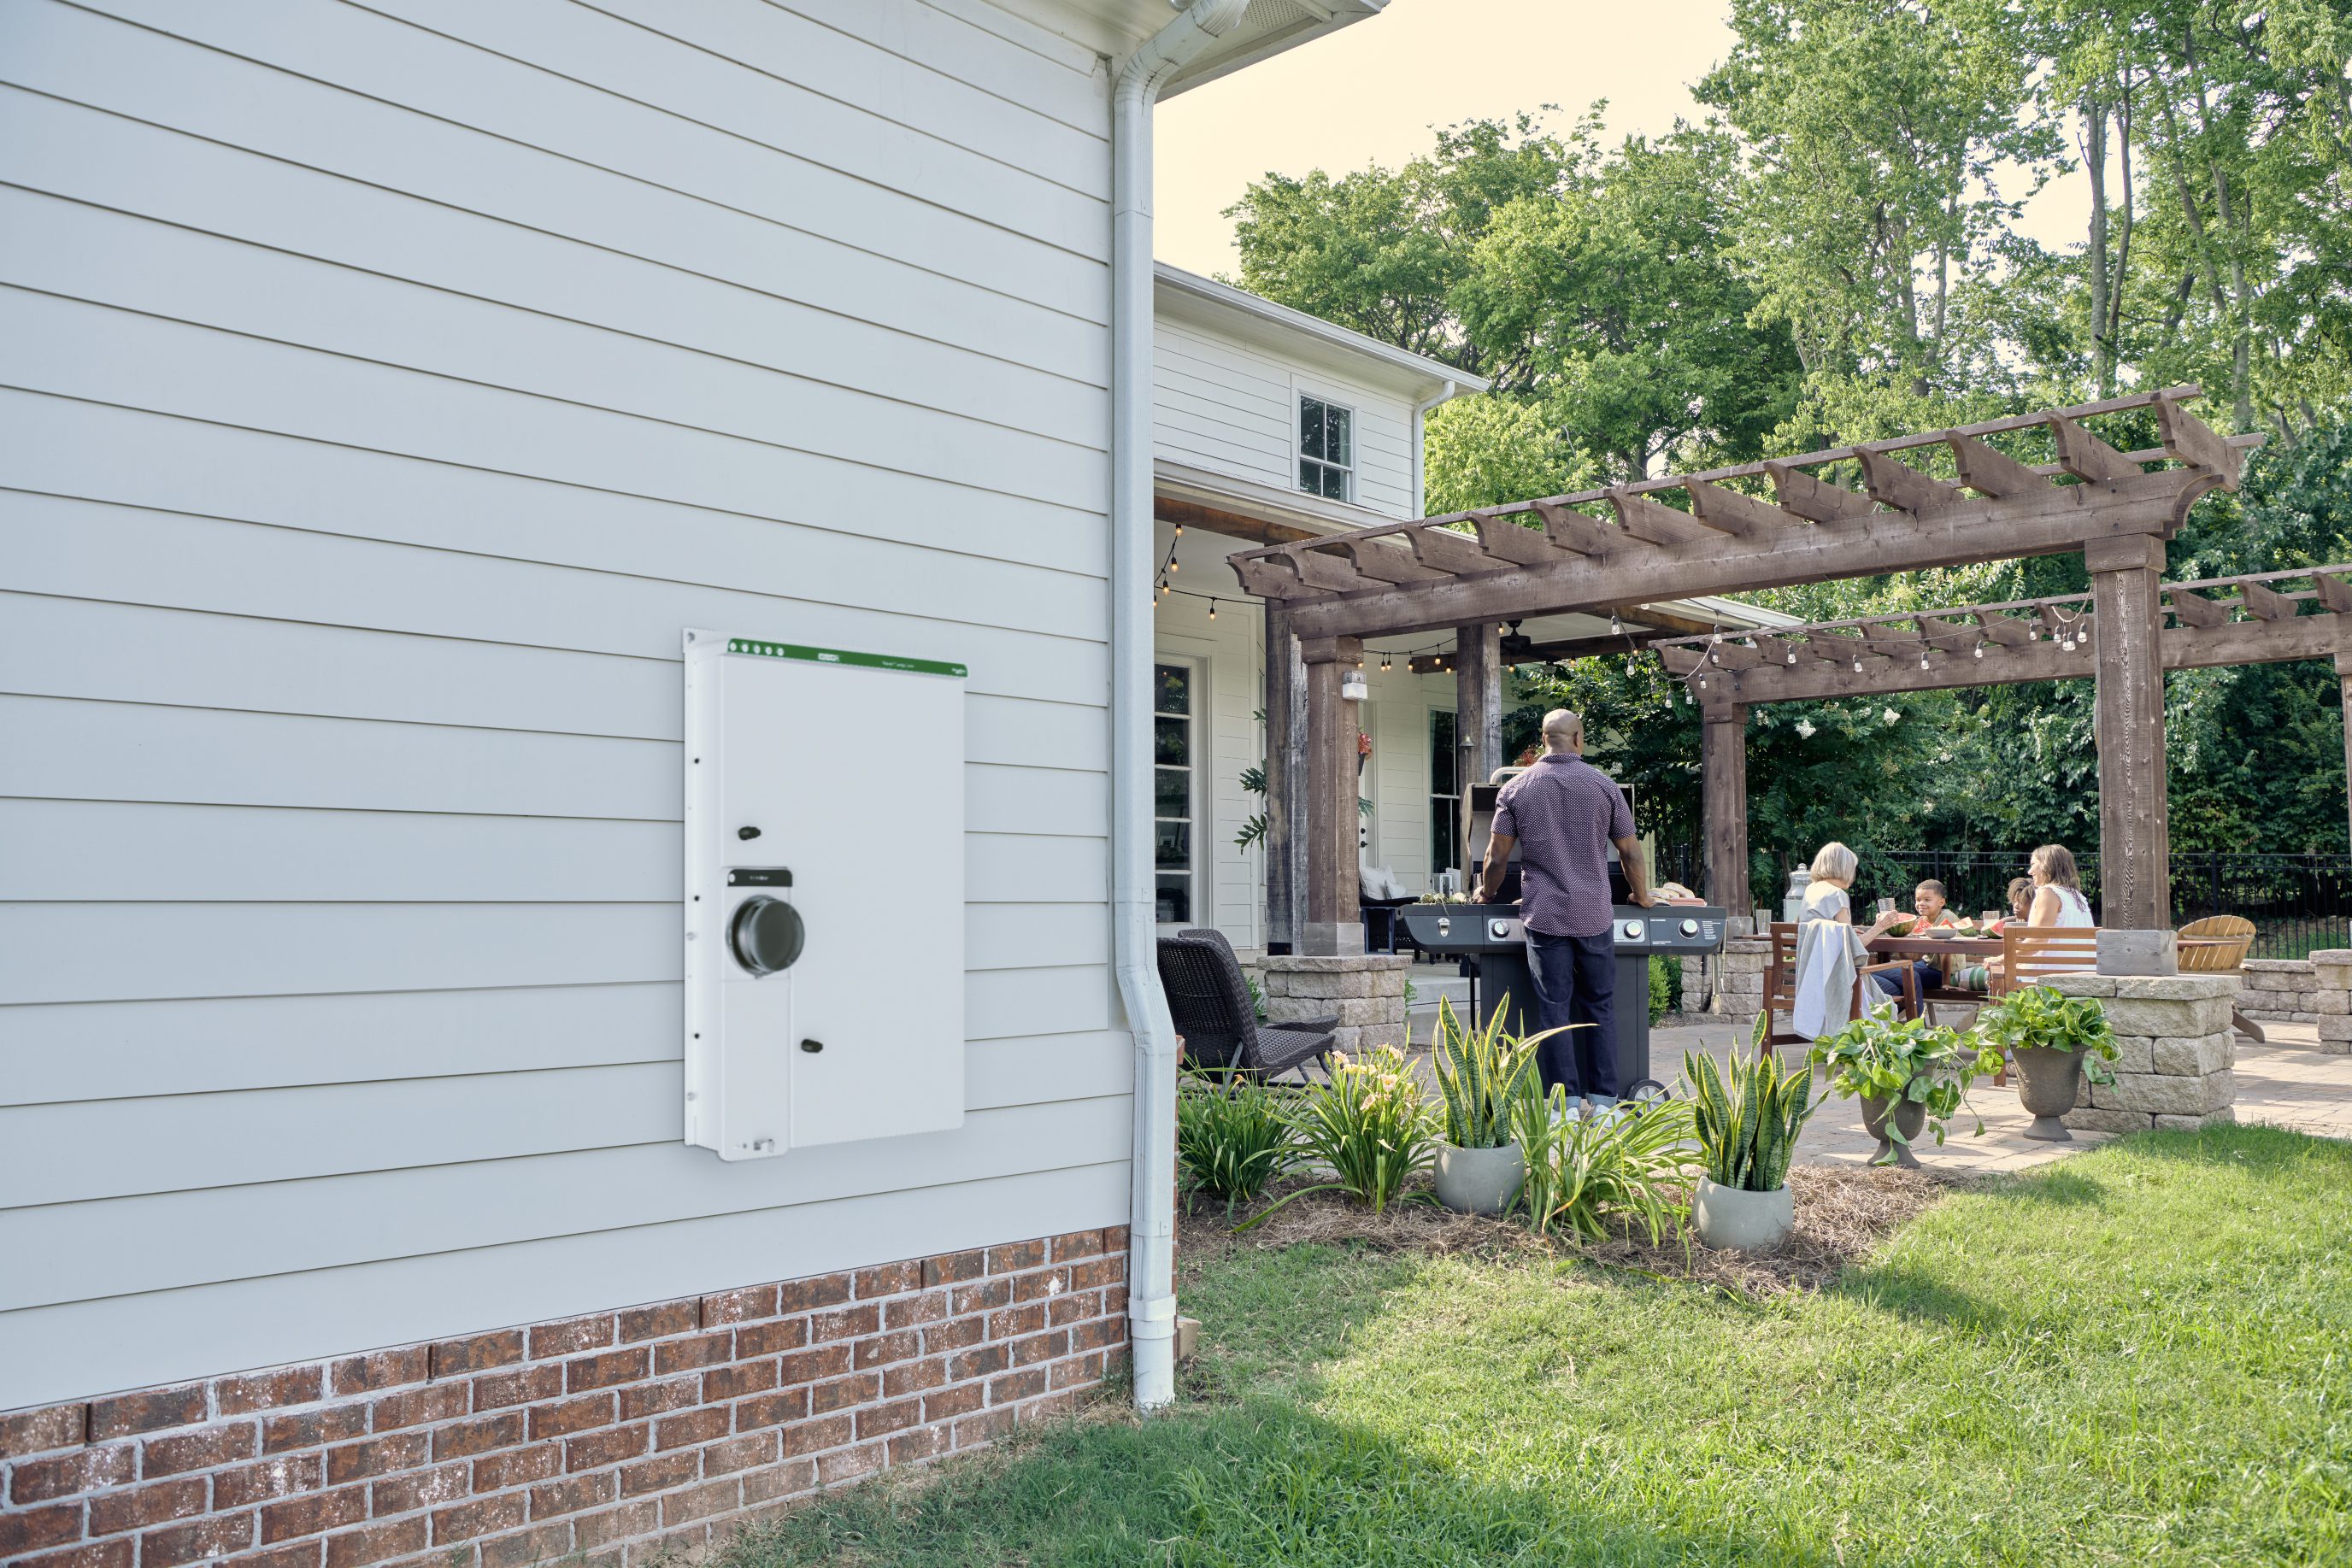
(1844, 1212)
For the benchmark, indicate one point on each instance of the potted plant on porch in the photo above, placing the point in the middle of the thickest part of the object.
(1480, 1072)
(1910, 1075)
(2055, 1039)
(1746, 1119)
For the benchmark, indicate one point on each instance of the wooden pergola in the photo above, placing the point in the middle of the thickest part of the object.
(1620, 547)
(2254, 619)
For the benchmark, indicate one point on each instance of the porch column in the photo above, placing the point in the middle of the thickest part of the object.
(1285, 792)
(1478, 702)
(1723, 774)
(2135, 843)
(2344, 684)
(1335, 921)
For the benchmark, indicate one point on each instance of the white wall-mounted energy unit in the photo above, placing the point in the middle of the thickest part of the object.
(824, 917)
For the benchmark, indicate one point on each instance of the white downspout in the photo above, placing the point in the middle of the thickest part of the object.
(1152, 1223)
(1420, 442)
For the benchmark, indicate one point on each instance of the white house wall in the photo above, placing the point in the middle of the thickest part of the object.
(391, 386)
(1232, 407)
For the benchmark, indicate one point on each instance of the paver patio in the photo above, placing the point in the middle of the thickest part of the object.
(2287, 1082)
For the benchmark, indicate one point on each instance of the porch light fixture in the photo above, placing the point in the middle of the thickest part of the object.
(1352, 687)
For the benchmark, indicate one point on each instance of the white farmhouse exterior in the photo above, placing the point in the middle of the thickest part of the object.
(1239, 382)
(388, 390)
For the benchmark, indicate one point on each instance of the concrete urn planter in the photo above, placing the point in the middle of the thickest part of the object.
(1731, 1221)
(2046, 1084)
(1910, 1120)
(1479, 1181)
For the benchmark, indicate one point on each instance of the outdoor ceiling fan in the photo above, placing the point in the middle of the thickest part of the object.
(1514, 646)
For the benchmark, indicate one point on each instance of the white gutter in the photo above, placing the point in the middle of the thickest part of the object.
(1151, 1222)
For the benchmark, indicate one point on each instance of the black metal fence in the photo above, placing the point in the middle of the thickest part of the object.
(2297, 902)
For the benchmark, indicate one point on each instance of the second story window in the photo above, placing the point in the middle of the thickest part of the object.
(1327, 448)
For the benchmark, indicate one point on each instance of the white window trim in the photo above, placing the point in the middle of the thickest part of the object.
(1302, 389)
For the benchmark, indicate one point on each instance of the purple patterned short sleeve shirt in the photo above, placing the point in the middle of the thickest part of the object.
(1563, 812)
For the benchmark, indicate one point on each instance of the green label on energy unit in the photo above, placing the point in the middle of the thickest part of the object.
(842, 656)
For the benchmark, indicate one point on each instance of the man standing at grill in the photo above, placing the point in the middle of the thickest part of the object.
(1563, 813)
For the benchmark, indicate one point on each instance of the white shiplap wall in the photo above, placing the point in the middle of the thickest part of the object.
(386, 389)
(1230, 405)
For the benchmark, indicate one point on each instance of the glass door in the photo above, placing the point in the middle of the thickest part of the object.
(1172, 792)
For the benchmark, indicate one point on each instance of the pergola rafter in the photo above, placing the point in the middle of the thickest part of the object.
(1469, 570)
(2255, 618)
(1547, 556)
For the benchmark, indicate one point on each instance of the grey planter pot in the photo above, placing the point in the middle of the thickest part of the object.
(1730, 1220)
(1479, 1181)
(2046, 1084)
(1911, 1120)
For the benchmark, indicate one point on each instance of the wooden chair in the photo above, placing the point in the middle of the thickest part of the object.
(2032, 954)
(1781, 988)
(2231, 936)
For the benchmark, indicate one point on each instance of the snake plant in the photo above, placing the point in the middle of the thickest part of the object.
(1746, 1118)
(1480, 1071)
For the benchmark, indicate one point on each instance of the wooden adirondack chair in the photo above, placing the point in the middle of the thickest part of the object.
(2235, 936)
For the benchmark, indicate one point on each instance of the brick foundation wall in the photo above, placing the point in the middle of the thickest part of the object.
(616, 1436)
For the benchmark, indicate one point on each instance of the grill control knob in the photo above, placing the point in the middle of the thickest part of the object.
(1444, 925)
(1690, 927)
(766, 934)
(1500, 930)
(1631, 930)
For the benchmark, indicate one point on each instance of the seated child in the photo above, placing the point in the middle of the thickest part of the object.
(1930, 908)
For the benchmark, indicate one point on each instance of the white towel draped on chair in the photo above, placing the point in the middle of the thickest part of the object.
(1829, 955)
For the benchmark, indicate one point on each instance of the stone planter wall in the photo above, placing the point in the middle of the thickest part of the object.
(1366, 990)
(2175, 1053)
(2316, 990)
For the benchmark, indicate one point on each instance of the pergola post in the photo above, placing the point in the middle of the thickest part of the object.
(2344, 684)
(1335, 921)
(1723, 775)
(1285, 794)
(2135, 844)
(1477, 702)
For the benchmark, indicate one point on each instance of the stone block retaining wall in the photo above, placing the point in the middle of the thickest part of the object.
(2175, 1052)
(2316, 990)
(1364, 990)
(612, 1439)
(1731, 982)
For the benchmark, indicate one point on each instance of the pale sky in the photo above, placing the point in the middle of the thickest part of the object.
(1373, 92)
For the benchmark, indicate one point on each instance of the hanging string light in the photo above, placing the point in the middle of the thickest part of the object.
(1616, 627)
(1923, 658)
(1978, 652)
(1213, 610)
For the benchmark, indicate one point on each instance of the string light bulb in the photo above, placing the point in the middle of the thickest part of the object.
(1172, 566)
(1792, 655)
(1857, 663)
(1385, 664)
(1978, 653)
(1616, 627)
(1923, 658)
(1213, 610)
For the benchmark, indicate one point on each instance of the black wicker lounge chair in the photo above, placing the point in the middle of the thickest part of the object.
(1214, 1014)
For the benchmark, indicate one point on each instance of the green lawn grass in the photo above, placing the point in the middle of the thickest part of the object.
(2143, 1355)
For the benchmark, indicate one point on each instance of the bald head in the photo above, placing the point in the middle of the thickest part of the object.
(1563, 731)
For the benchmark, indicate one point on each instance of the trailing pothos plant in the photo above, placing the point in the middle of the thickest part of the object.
(2038, 1018)
(1480, 1072)
(1879, 1055)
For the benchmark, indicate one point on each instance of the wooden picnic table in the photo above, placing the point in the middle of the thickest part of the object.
(1934, 947)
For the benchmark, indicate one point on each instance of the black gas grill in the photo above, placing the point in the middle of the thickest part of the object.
(1493, 946)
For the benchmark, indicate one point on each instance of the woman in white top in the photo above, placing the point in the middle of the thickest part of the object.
(2057, 890)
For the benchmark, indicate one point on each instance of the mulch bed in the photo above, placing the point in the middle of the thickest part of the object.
(1843, 1212)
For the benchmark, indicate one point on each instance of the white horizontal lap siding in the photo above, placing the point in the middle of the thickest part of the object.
(387, 389)
(1221, 405)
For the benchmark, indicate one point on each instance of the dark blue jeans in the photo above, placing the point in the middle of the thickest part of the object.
(1930, 975)
(1576, 982)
